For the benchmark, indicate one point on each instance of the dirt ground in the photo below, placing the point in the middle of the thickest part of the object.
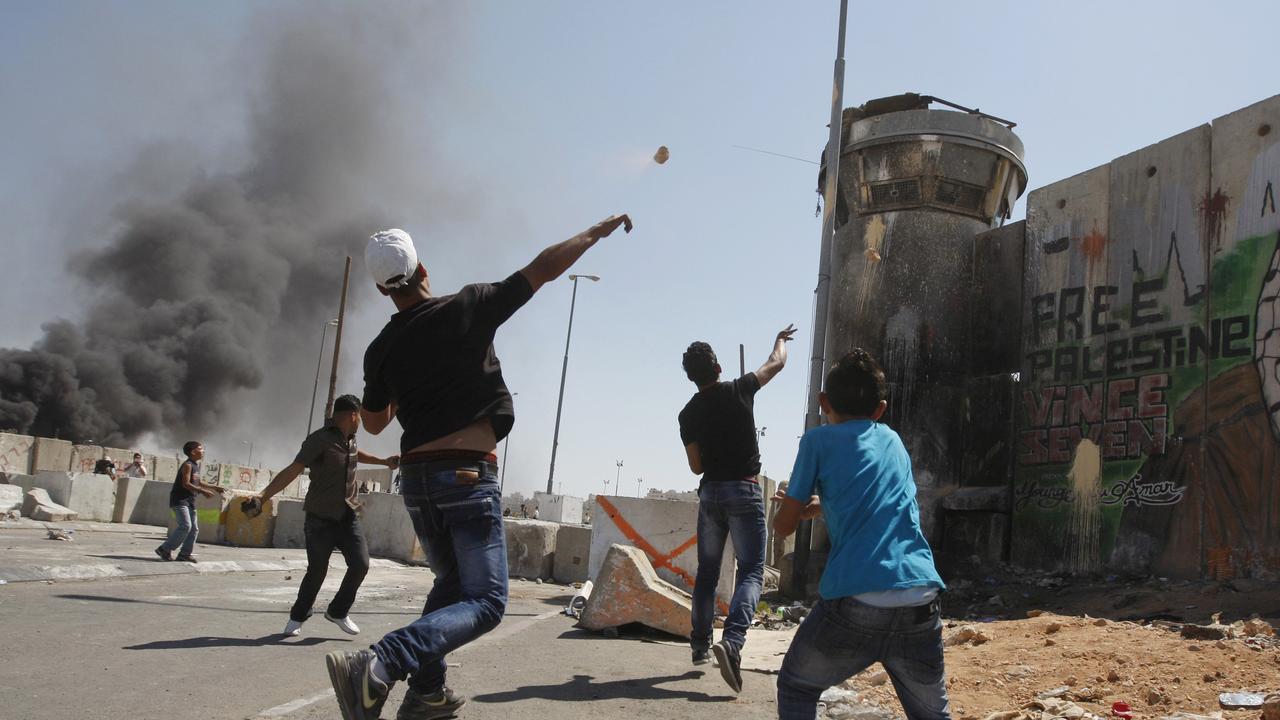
(1113, 639)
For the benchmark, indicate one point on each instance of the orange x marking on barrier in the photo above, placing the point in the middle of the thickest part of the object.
(657, 558)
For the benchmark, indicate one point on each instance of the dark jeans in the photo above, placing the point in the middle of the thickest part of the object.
(841, 638)
(457, 512)
(323, 535)
(733, 509)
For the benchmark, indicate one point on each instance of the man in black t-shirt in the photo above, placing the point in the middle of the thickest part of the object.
(718, 429)
(434, 369)
(331, 513)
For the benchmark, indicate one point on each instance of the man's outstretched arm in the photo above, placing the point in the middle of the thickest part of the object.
(777, 358)
(552, 262)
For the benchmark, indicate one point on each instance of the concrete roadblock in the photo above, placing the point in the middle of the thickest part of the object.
(37, 505)
(531, 548)
(52, 455)
(15, 453)
(290, 524)
(627, 590)
(573, 551)
(165, 468)
(374, 479)
(151, 504)
(558, 508)
(389, 529)
(241, 530)
(666, 530)
(92, 496)
(11, 497)
(84, 457)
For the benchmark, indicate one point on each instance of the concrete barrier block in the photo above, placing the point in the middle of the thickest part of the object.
(127, 491)
(151, 505)
(37, 505)
(665, 529)
(121, 456)
(244, 531)
(531, 548)
(558, 508)
(165, 468)
(26, 482)
(369, 478)
(92, 496)
(290, 518)
(84, 457)
(389, 529)
(627, 590)
(239, 478)
(52, 455)
(573, 551)
(11, 497)
(16, 452)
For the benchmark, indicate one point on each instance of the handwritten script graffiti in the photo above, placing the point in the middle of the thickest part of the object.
(1130, 492)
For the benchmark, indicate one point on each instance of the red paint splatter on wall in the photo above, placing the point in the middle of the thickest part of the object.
(1094, 245)
(1212, 210)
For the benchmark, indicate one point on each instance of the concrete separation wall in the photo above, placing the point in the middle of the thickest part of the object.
(289, 531)
(92, 496)
(573, 553)
(15, 453)
(49, 454)
(10, 498)
(667, 532)
(166, 468)
(84, 457)
(241, 530)
(559, 508)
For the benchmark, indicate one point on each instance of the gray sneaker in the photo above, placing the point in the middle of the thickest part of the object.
(360, 694)
(701, 656)
(730, 665)
(443, 704)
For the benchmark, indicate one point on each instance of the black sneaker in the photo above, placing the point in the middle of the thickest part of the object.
(360, 694)
(730, 665)
(442, 704)
(187, 558)
(165, 555)
(701, 656)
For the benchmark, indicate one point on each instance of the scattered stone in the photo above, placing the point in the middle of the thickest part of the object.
(1155, 696)
(1209, 678)
(1204, 632)
(1113, 676)
(1035, 613)
(1052, 628)
(967, 634)
(1020, 672)
(1240, 700)
(1100, 622)
(1054, 693)
(1257, 627)
(1071, 680)
(877, 678)
(1271, 707)
(1049, 642)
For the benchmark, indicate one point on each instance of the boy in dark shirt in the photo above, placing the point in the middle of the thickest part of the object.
(331, 513)
(880, 588)
(718, 429)
(182, 501)
(434, 369)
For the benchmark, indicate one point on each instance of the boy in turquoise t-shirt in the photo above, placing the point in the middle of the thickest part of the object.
(880, 588)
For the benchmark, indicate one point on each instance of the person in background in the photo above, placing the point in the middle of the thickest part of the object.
(135, 469)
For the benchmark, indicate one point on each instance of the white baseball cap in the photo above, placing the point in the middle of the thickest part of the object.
(391, 258)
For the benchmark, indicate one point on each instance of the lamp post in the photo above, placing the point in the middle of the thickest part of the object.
(639, 482)
(506, 443)
(249, 462)
(564, 369)
(617, 480)
(316, 386)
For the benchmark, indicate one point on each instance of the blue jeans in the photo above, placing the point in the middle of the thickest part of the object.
(733, 509)
(184, 533)
(840, 638)
(457, 513)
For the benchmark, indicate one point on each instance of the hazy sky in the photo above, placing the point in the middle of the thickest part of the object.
(541, 118)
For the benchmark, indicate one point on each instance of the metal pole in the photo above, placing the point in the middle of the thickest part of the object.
(337, 341)
(742, 360)
(804, 532)
(315, 387)
(639, 482)
(564, 369)
(617, 480)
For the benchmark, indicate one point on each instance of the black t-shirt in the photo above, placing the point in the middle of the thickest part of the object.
(180, 495)
(331, 458)
(436, 361)
(721, 419)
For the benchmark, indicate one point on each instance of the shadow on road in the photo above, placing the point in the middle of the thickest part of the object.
(584, 687)
(194, 606)
(212, 642)
(139, 558)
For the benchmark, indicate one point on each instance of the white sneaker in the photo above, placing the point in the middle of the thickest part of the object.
(345, 623)
(293, 628)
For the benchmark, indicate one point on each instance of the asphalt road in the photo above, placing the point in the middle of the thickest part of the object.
(206, 646)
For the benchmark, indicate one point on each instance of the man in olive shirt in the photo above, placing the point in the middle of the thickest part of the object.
(331, 505)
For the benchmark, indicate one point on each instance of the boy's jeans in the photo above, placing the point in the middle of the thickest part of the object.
(735, 509)
(840, 638)
(184, 533)
(457, 514)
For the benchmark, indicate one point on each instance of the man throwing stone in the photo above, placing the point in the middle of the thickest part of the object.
(331, 513)
(433, 368)
(718, 430)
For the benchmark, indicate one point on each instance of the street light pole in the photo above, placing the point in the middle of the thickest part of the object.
(617, 480)
(249, 461)
(639, 482)
(316, 387)
(564, 370)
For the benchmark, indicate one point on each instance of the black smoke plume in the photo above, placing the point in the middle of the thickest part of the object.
(198, 298)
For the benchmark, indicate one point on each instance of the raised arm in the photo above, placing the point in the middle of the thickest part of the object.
(777, 358)
(553, 261)
(392, 462)
(282, 480)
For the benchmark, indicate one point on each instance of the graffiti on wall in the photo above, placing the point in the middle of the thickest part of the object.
(1149, 417)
